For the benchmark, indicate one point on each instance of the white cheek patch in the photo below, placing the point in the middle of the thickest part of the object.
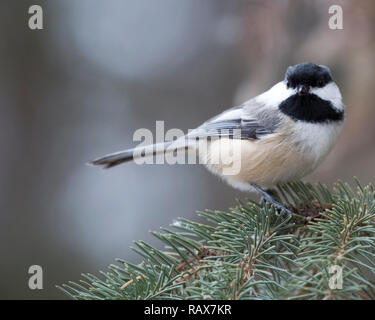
(331, 93)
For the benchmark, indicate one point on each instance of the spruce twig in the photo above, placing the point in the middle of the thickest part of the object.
(251, 252)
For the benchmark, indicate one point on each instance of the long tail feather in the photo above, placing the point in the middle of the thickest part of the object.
(114, 159)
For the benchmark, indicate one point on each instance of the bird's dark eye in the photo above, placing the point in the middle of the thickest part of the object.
(288, 84)
(320, 83)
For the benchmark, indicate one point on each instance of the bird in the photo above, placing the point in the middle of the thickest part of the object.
(276, 137)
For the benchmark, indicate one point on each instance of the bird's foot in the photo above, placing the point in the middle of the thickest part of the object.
(270, 199)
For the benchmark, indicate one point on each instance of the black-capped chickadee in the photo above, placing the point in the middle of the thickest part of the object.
(281, 135)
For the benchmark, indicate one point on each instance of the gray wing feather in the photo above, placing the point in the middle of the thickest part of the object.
(249, 121)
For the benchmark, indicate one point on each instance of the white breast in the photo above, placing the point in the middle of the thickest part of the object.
(315, 140)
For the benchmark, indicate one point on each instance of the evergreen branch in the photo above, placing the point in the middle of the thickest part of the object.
(252, 252)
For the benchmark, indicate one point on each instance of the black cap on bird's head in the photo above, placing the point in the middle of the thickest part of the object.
(304, 76)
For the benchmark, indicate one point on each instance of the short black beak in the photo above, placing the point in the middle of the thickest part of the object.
(303, 89)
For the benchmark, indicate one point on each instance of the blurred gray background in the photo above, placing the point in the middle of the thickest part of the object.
(102, 69)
